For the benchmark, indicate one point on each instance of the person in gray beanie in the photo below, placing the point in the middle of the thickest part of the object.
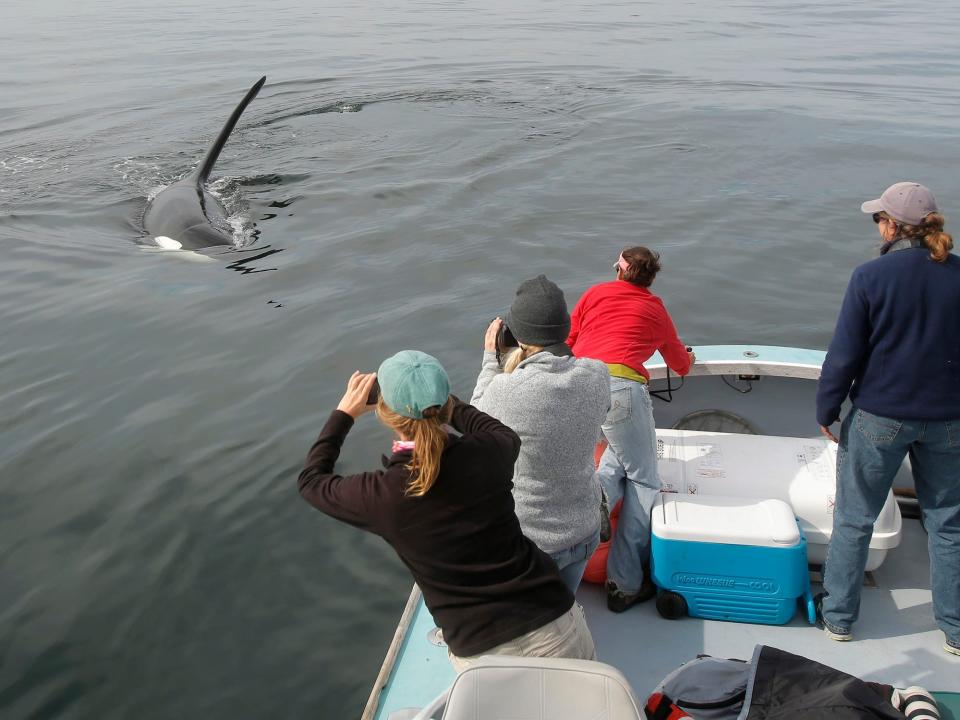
(539, 316)
(556, 404)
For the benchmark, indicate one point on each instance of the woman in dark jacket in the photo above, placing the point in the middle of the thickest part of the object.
(444, 504)
(896, 353)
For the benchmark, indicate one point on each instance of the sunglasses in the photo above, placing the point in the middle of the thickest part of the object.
(877, 217)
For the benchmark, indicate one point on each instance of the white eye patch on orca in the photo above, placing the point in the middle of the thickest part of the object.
(174, 248)
(168, 243)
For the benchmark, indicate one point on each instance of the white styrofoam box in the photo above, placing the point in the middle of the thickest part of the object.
(799, 471)
(725, 520)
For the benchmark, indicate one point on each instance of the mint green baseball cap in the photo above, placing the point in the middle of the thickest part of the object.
(412, 381)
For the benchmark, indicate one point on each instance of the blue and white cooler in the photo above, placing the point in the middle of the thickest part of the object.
(729, 558)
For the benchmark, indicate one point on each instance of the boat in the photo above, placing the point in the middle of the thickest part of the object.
(749, 398)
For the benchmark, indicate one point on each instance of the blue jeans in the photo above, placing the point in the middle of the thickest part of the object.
(573, 560)
(628, 470)
(871, 451)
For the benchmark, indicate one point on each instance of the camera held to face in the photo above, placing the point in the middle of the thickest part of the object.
(505, 340)
(374, 393)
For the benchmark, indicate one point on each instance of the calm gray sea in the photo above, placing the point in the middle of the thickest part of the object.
(411, 162)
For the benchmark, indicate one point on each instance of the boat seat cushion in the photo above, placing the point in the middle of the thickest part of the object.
(531, 688)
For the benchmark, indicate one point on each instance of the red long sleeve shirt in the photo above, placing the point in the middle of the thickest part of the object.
(620, 323)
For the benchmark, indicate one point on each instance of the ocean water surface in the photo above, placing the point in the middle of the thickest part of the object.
(404, 168)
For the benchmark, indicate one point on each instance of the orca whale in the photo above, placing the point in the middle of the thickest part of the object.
(185, 215)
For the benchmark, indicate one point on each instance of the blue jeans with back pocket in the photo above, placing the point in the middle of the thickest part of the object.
(572, 561)
(628, 470)
(870, 453)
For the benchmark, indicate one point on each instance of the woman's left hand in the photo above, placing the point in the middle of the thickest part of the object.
(354, 400)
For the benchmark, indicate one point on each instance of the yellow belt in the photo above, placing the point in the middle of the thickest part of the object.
(626, 372)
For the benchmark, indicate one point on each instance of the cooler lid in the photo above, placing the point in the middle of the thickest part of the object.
(725, 520)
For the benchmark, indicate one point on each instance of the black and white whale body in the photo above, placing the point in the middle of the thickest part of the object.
(185, 214)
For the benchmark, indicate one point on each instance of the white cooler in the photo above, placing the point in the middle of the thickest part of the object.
(799, 471)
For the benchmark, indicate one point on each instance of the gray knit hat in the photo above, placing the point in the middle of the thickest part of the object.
(539, 314)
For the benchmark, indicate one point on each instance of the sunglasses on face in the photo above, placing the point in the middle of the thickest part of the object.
(877, 217)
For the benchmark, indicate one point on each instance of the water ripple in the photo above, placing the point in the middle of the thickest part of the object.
(404, 168)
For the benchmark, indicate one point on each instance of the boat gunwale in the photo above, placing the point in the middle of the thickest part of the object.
(764, 360)
(393, 652)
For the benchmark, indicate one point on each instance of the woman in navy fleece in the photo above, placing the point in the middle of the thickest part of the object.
(896, 353)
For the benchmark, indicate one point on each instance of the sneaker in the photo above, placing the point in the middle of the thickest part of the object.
(952, 649)
(618, 601)
(838, 635)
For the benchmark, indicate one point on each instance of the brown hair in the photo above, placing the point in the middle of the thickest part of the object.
(930, 231)
(429, 440)
(644, 266)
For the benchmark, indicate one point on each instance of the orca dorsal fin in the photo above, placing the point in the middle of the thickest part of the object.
(203, 172)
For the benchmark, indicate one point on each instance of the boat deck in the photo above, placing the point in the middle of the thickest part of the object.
(896, 638)
(772, 390)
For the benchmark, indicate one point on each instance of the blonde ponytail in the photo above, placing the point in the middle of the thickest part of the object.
(518, 355)
(429, 440)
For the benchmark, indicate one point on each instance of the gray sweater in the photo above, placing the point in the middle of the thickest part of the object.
(556, 405)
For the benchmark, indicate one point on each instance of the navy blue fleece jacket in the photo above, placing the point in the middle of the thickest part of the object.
(896, 348)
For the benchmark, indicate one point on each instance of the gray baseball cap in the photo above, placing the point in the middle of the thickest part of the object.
(908, 202)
